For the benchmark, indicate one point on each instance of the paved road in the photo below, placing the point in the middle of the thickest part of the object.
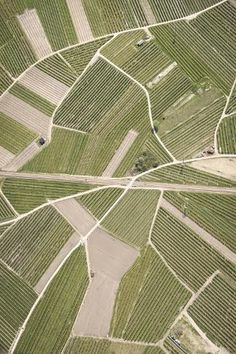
(122, 182)
(212, 241)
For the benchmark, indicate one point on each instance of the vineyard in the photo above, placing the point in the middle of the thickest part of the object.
(47, 229)
(117, 176)
(214, 307)
(138, 314)
(227, 135)
(183, 173)
(215, 213)
(14, 305)
(48, 331)
(186, 252)
(26, 195)
(131, 219)
(83, 345)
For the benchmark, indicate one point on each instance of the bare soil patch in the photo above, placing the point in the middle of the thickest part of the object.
(21, 159)
(224, 167)
(5, 156)
(34, 31)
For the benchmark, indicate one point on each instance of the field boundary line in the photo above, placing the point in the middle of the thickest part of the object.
(9, 203)
(189, 303)
(148, 101)
(154, 216)
(223, 115)
(67, 128)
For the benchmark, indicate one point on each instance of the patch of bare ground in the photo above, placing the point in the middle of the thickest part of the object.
(20, 160)
(80, 219)
(33, 29)
(224, 167)
(25, 114)
(120, 153)
(44, 85)
(5, 156)
(109, 260)
(80, 20)
(150, 17)
(67, 248)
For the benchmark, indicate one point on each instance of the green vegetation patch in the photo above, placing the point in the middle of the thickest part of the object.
(184, 174)
(148, 300)
(83, 345)
(16, 300)
(188, 255)
(131, 218)
(27, 194)
(214, 312)
(32, 243)
(51, 323)
(99, 202)
(226, 135)
(14, 136)
(213, 212)
(6, 212)
(33, 99)
(62, 155)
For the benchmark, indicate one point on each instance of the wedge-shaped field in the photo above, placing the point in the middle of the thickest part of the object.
(33, 99)
(14, 136)
(57, 23)
(62, 155)
(196, 133)
(215, 311)
(131, 219)
(141, 62)
(50, 325)
(6, 212)
(79, 56)
(26, 195)
(99, 202)
(85, 106)
(198, 58)
(5, 80)
(186, 252)
(214, 213)
(3, 228)
(184, 174)
(31, 244)
(226, 135)
(58, 69)
(148, 300)
(232, 103)
(83, 345)
(15, 302)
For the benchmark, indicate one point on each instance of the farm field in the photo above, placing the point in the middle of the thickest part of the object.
(45, 228)
(63, 297)
(131, 219)
(14, 305)
(226, 135)
(117, 176)
(183, 173)
(138, 314)
(83, 345)
(216, 305)
(26, 195)
(215, 213)
(189, 253)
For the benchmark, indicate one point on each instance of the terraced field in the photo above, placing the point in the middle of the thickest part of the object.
(48, 331)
